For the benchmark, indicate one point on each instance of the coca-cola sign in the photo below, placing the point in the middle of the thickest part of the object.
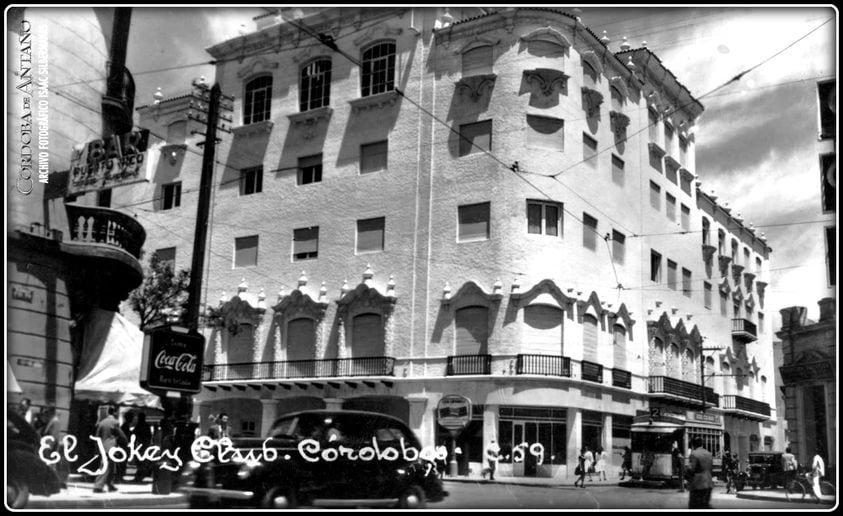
(172, 360)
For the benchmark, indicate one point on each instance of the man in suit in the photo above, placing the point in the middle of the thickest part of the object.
(220, 429)
(109, 432)
(700, 465)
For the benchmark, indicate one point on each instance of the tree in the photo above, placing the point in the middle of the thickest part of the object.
(162, 295)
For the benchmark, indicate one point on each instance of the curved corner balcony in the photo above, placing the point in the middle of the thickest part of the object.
(681, 391)
(746, 408)
(108, 234)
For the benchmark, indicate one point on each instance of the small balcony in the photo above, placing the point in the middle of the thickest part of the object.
(621, 378)
(744, 331)
(745, 407)
(298, 369)
(591, 372)
(681, 391)
(545, 365)
(118, 103)
(469, 364)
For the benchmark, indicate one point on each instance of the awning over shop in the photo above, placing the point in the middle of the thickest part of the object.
(111, 359)
(12, 386)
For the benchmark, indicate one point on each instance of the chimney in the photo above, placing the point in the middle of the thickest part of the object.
(793, 317)
(827, 306)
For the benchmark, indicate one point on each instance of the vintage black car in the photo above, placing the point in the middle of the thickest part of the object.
(316, 458)
(26, 473)
(766, 469)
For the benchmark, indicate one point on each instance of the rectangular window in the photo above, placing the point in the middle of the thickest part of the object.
(589, 231)
(589, 150)
(617, 170)
(655, 267)
(707, 295)
(653, 120)
(685, 182)
(668, 136)
(724, 302)
(545, 132)
(476, 137)
(310, 169)
(757, 265)
(760, 322)
(671, 173)
(246, 251)
(543, 218)
(656, 160)
(167, 256)
(473, 222)
(251, 180)
(171, 196)
(378, 69)
(104, 198)
(258, 100)
(655, 196)
(828, 180)
(305, 243)
(831, 254)
(683, 151)
(370, 235)
(373, 157)
(686, 282)
(686, 217)
(618, 246)
(671, 274)
(670, 206)
(746, 258)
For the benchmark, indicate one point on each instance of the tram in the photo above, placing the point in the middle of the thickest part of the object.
(652, 443)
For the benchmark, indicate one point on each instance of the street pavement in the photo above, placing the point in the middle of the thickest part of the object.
(79, 494)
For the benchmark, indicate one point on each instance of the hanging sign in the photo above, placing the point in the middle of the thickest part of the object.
(105, 163)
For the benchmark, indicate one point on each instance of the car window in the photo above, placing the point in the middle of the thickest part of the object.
(283, 427)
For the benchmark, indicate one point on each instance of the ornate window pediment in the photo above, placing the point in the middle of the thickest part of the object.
(471, 294)
(624, 318)
(308, 121)
(618, 82)
(257, 65)
(750, 302)
(379, 31)
(550, 35)
(365, 298)
(619, 123)
(656, 150)
(724, 263)
(476, 42)
(708, 252)
(545, 80)
(544, 289)
(591, 100)
(475, 86)
(237, 311)
(591, 58)
(724, 286)
(591, 305)
(296, 304)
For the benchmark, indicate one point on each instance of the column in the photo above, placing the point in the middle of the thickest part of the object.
(269, 413)
(424, 429)
(258, 342)
(573, 429)
(611, 471)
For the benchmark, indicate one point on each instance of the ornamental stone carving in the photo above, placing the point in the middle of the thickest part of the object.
(591, 101)
(308, 121)
(619, 123)
(546, 80)
(475, 86)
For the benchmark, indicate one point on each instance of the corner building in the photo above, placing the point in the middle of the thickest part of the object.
(492, 203)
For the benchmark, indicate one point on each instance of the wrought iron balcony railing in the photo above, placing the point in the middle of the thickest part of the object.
(692, 392)
(744, 331)
(95, 225)
(591, 371)
(621, 378)
(295, 369)
(469, 364)
(548, 365)
(746, 406)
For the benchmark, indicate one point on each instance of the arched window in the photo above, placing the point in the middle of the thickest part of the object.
(763, 387)
(657, 358)
(739, 380)
(378, 74)
(674, 367)
(689, 370)
(301, 339)
(472, 330)
(543, 330)
(727, 381)
(619, 346)
(706, 228)
(617, 99)
(477, 61)
(257, 100)
(367, 336)
(589, 75)
(315, 85)
(589, 338)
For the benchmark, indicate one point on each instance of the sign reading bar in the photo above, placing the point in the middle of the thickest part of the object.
(172, 360)
(115, 161)
(454, 412)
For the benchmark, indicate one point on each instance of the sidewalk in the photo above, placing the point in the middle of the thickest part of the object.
(80, 494)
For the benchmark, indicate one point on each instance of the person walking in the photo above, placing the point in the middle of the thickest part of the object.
(143, 439)
(589, 463)
(677, 461)
(728, 471)
(580, 470)
(817, 472)
(126, 427)
(600, 466)
(626, 464)
(699, 466)
(492, 456)
(109, 432)
(53, 430)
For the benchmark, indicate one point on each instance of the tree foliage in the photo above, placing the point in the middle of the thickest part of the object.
(162, 295)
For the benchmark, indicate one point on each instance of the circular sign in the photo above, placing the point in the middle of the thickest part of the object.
(454, 412)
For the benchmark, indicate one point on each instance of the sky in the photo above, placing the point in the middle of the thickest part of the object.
(756, 141)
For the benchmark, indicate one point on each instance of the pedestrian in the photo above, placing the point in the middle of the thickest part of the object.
(220, 429)
(53, 430)
(790, 465)
(109, 432)
(677, 461)
(589, 463)
(817, 472)
(626, 464)
(143, 439)
(728, 470)
(493, 452)
(699, 466)
(126, 427)
(25, 409)
(600, 466)
(580, 469)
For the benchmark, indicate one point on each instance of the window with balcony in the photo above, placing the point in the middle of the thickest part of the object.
(471, 334)
(672, 271)
(589, 338)
(475, 137)
(477, 61)
(545, 132)
(251, 180)
(373, 157)
(707, 295)
(310, 170)
(367, 336)
(473, 220)
(686, 282)
(301, 341)
(104, 198)
(257, 100)
(370, 235)
(655, 267)
(655, 196)
(543, 218)
(306, 243)
(618, 247)
(618, 175)
(589, 150)
(171, 195)
(543, 330)
(246, 251)
(670, 206)
(619, 346)
(589, 232)
(315, 85)
(378, 74)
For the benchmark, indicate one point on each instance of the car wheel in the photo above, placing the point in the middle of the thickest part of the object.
(17, 493)
(279, 498)
(411, 498)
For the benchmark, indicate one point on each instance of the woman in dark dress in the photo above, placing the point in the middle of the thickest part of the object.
(581, 469)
